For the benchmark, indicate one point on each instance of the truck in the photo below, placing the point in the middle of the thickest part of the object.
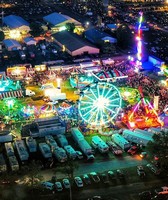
(51, 142)
(82, 143)
(45, 150)
(14, 165)
(31, 144)
(62, 140)
(121, 141)
(3, 167)
(70, 152)
(21, 149)
(99, 144)
(137, 138)
(116, 150)
(60, 154)
(9, 149)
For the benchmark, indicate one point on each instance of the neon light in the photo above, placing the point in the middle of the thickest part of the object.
(139, 40)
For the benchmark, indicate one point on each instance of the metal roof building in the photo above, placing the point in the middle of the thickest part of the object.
(95, 36)
(29, 41)
(74, 44)
(16, 22)
(12, 44)
(58, 20)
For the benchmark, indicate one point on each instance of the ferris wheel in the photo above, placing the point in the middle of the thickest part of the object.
(99, 103)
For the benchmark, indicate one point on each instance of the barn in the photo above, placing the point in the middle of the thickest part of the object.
(57, 21)
(12, 45)
(73, 44)
(16, 22)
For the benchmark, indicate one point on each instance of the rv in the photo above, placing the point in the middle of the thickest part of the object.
(3, 167)
(82, 143)
(99, 144)
(21, 149)
(70, 152)
(9, 149)
(51, 142)
(136, 137)
(45, 150)
(31, 144)
(60, 154)
(14, 165)
(62, 140)
(121, 141)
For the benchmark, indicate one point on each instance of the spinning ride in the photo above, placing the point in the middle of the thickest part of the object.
(99, 103)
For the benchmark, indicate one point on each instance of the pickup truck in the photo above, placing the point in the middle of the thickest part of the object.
(114, 148)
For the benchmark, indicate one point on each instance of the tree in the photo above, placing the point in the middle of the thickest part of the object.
(70, 27)
(108, 47)
(2, 36)
(159, 147)
(36, 29)
(124, 36)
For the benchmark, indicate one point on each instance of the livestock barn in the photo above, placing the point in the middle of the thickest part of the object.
(73, 44)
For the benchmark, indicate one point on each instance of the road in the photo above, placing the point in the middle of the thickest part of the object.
(99, 166)
(120, 192)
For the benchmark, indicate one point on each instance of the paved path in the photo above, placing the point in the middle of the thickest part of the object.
(99, 166)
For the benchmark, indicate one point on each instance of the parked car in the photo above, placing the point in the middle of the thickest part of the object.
(86, 179)
(162, 190)
(95, 198)
(95, 177)
(140, 171)
(66, 183)
(79, 154)
(120, 174)
(104, 178)
(145, 195)
(78, 181)
(133, 150)
(48, 185)
(58, 186)
(111, 174)
(153, 169)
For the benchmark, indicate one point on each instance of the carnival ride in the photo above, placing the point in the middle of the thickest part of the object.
(99, 104)
(142, 115)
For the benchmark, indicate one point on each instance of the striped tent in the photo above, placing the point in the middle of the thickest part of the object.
(17, 93)
(109, 74)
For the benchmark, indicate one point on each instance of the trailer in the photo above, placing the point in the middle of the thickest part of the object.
(31, 144)
(45, 150)
(99, 144)
(60, 154)
(121, 141)
(51, 142)
(82, 143)
(21, 149)
(14, 165)
(77, 135)
(143, 132)
(70, 152)
(136, 138)
(3, 167)
(61, 138)
(155, 130)
(9, 149)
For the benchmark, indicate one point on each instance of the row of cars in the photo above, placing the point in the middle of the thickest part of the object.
(86, 179)
(159, 193)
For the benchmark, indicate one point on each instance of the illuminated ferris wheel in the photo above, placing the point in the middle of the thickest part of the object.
(99, 103)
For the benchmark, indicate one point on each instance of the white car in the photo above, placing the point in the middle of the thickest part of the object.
(66, 183)
(58, 186)
(78, 181)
